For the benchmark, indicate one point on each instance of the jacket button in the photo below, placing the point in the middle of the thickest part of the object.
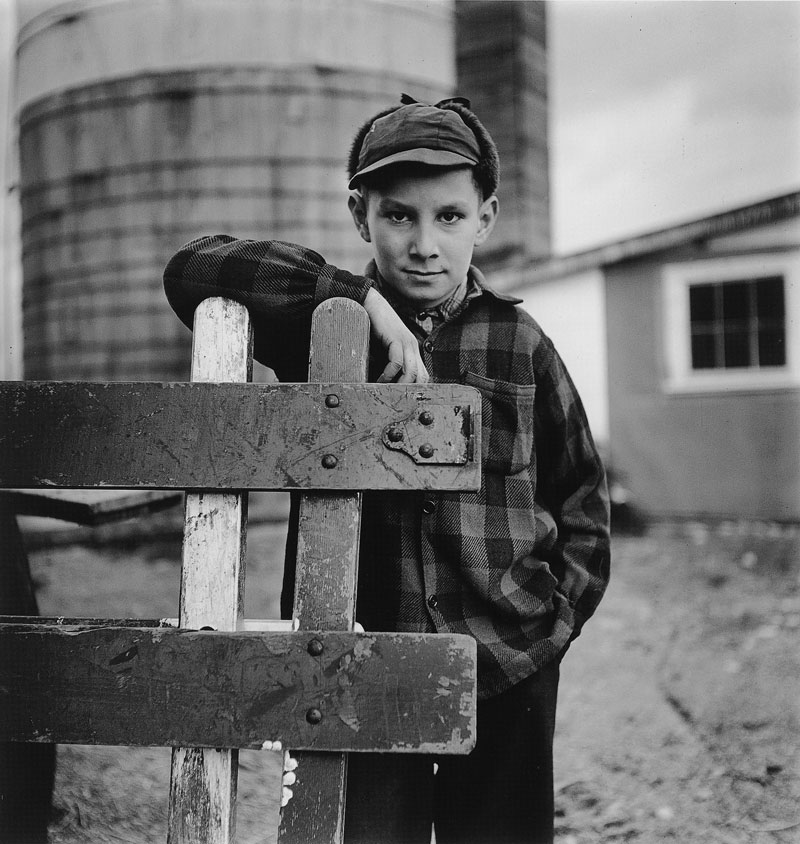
(428, 506)
(427, 346)
(433, 602)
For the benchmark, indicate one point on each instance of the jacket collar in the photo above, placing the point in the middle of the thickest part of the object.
(483, 284)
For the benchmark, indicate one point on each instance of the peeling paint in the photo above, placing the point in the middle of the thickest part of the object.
(347, 711)
(363, 648)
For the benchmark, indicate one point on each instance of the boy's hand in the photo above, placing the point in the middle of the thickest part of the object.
(401, 345)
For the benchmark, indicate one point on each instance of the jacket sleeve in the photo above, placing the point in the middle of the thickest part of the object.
(572, 483)
(280, 283)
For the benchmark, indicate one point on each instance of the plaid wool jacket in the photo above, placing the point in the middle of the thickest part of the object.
(521, 564)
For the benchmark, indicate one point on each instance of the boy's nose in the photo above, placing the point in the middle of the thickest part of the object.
(423, 244)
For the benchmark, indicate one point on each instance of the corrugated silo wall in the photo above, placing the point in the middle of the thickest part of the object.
(116, 174)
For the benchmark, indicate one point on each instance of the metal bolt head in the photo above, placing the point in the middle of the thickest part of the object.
(395, 434)
(313, 716)
(426, 417)
(332, 400)
(426, 450)
(329, 461)
(315, 647)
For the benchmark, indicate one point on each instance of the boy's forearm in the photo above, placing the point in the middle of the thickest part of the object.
(281, 284)
(277, 281)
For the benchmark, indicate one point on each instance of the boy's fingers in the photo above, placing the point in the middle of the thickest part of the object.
(389, 373)
(405, 362)
(395, 365)
(414, 371)
(416, 367)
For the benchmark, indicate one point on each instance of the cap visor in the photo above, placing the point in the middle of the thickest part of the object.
(432, 157)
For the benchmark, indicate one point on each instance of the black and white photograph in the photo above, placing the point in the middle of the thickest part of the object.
(400, 421)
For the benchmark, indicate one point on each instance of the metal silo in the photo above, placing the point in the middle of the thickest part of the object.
(144, 123)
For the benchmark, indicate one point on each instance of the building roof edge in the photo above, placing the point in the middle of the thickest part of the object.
(757, 214)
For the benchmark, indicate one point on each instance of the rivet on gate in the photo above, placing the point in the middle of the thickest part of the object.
(329, 461)
(426, 417)
(426, 450)
(315, 647)
(395, 435)
(313, 716)
(332, 400)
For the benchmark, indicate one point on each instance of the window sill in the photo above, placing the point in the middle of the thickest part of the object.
(733, 382)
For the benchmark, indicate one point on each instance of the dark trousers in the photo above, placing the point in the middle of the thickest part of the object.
(502, 793)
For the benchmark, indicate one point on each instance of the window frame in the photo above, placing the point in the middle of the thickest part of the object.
(678, 278)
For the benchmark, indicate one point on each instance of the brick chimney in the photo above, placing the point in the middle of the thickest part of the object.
(501, 65)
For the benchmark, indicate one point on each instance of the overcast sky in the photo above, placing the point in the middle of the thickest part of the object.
(662, 112)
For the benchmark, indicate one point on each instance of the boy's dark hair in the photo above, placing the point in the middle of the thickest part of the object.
(486, 173)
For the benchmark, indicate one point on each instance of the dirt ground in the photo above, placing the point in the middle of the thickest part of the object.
(679, 707)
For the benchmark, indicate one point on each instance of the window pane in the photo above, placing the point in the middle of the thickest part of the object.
(737, 347)
(701, 303)
(771, 348)
(738, 324)
(703, 351)
(735, 300)
(769, 298)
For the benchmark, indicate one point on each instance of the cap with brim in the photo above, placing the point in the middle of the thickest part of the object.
(417, 133)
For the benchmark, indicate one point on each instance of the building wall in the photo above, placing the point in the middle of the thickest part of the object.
(572, 313)
(723, 453)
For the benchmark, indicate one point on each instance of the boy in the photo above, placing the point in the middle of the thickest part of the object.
(521, 564)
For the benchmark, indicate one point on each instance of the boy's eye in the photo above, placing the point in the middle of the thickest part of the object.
(397, 217)
(450, 217)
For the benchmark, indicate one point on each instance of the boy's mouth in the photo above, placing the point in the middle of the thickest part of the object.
(424, 273)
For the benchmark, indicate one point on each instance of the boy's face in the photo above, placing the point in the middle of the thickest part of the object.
(423, 226)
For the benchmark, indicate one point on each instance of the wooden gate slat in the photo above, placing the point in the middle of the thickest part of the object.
(393, 692)
(202, 804)
(276, 436)
(327, 574)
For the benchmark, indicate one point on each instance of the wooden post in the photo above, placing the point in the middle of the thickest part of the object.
(202, 806)
(27, 771)
(327, 569)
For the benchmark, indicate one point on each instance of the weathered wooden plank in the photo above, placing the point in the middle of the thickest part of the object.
(27, 772)
(328, 436)
(202, 794)
(88, 507)
(327, 574)
(250, 625)
(83, 622)
(333, 691)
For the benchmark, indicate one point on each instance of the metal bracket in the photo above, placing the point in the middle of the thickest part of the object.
(434, 433)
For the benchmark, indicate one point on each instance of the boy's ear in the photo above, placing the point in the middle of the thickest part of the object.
(358, 211)
(487, 217)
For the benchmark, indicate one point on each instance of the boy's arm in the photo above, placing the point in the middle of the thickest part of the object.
(281, 284)
(572, 483)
